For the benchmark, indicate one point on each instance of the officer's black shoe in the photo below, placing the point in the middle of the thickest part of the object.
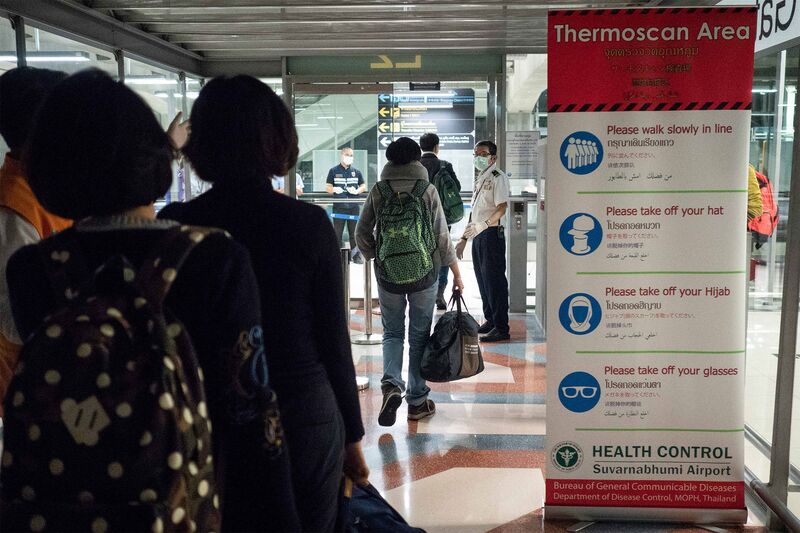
(486, 327)
(495, 336)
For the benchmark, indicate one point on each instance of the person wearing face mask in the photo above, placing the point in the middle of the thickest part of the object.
(346, 181)
(489, 204)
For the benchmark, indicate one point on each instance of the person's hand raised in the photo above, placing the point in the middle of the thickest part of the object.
(178, 132)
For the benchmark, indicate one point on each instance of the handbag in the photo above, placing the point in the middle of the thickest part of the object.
(452, 351)
(362, 509)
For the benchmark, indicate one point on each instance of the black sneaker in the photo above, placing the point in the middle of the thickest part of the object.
(486, 327)
(392, 398)
(424, 410)
(495, 336)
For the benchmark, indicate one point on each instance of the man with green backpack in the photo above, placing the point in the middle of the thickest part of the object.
(403, 227)
(442, 175)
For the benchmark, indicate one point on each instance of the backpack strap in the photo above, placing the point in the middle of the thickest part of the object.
(160, 268)
(65, 266)
(385, 189)
(419, 188)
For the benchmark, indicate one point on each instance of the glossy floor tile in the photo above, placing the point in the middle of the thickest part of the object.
(478, 464)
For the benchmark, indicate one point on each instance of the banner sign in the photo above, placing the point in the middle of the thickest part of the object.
(449, 113)
(649, 117)
(522, 154)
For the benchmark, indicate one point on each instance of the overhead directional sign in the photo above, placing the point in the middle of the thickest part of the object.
(449, 113)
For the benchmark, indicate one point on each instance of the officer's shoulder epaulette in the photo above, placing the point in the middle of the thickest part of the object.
(496, 172)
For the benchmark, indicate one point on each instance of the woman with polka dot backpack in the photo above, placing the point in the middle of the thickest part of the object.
(141, 335)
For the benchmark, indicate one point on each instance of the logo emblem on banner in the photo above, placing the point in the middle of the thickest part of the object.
(580, 313)
(581, 152)
(579, 392)
(567, 456)
(581, 234)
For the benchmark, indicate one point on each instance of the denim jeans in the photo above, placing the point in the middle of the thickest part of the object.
(393, 316)
(443, 275)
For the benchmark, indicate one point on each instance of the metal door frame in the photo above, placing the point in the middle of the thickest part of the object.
(342, 84)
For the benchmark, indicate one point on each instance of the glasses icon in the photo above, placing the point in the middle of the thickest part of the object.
(575, 390)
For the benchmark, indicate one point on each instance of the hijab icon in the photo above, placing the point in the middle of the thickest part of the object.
(580, 313)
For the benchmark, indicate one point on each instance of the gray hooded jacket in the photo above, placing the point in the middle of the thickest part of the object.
(403, 178)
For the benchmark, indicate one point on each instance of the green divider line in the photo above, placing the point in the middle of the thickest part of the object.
(662, 272)
(665, 430)
(659, 191)
(626, 352)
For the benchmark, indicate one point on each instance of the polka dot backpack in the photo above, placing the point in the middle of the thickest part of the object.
(106, 424)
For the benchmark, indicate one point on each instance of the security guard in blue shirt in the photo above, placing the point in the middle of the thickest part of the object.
(345, 181)
(485, 228)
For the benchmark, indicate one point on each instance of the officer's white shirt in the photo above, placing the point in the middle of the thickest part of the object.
(491, 189)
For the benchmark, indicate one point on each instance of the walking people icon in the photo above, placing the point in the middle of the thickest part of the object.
(581, 152)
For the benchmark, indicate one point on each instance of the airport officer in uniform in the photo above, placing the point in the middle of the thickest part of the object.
(346, 181)
(489, 204)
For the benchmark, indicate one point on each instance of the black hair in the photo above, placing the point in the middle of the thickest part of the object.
(22, 91)
(403, 151)
(490, 145)
(97, 149)
(242, 132)
(428, 142)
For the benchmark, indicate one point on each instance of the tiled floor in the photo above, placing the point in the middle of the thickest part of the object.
(477, 465)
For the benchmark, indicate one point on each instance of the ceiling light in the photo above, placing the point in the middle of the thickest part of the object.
(149, 80)
(48, 57)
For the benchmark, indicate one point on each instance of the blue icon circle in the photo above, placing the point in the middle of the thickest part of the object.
(580, 313)
(580, 234)
(579, 392)
(581, 152)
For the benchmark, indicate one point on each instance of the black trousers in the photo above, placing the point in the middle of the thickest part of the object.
(338, 227)
(489, 260)
(315, 435)
(339, 223)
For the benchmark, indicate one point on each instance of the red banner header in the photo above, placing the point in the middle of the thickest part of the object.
(650, 59)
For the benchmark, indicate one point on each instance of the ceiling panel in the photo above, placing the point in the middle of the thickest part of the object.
(268, 29)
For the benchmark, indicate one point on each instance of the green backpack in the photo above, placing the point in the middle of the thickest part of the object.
(449, 193)
(405, 240)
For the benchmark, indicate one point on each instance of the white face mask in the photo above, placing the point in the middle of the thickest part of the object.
(481, 162)
(347, 160)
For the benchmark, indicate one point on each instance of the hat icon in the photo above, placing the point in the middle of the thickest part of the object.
(581, 225)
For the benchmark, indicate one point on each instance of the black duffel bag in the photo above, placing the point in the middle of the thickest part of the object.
(453, 352)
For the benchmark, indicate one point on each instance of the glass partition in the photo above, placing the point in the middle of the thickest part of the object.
(366, 118)
(47, 50)
(8, 58)
(771, 142)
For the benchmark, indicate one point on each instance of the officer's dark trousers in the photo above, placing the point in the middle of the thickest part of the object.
(489, 260)
(339, 223)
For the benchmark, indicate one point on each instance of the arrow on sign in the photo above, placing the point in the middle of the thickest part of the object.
(385, 62)
(385, 141)
(384, 112)
(385, 97)
(383, 127)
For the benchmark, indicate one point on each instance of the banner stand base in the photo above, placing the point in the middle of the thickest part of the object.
(580, 526)
(698, 517)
